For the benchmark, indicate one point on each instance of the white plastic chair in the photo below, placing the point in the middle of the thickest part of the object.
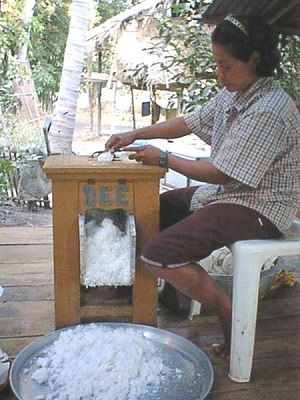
(248, 258)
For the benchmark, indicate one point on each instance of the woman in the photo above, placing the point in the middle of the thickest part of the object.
(252, 178)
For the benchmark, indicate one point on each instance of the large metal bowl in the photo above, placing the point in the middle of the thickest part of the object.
(194, 383)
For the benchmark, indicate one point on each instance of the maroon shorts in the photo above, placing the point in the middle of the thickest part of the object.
(187, 237)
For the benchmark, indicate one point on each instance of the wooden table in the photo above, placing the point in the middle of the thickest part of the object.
(80, 184)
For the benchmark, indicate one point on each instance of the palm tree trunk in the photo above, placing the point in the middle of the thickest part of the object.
(64, 117)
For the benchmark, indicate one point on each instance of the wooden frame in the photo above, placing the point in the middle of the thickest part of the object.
(71, 175)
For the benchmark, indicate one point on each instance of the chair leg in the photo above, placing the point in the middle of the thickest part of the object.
(195, 309)
(245, 300)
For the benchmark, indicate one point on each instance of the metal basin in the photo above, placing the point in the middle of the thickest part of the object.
(194, 383)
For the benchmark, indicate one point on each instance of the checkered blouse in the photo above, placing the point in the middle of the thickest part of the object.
(255, 139)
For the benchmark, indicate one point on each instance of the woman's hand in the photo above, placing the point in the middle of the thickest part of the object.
(119, 140)
(148, 155)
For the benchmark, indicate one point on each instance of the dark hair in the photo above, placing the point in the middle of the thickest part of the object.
(249, 34)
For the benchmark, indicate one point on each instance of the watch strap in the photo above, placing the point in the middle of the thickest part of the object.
(163, 159)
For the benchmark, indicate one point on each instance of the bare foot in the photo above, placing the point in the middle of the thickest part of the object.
(222, 350)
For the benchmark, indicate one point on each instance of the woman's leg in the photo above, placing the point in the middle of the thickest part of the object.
(176, 249)
(194, 282)
(174, 207)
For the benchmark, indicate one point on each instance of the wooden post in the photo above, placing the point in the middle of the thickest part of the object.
(90, 92)
(99, 104)
(133, 107)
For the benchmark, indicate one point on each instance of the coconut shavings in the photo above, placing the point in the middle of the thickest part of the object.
(106, 256)
(93, 363)
(218, 262)
(105, 156)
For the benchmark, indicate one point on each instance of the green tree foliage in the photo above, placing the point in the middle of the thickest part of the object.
(48, 37)
(109, 8)
(12, 35)
(6, 168)
(178, 32)
(290, 61)
(185, 47)
(49, 30)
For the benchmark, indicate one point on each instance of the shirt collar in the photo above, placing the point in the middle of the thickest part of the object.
(242, 100)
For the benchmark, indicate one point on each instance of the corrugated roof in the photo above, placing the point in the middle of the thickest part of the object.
(283, 15)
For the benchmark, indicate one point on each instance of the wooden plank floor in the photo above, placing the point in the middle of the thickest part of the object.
(27, 312)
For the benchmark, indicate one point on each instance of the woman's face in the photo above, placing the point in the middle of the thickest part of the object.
(235, 75)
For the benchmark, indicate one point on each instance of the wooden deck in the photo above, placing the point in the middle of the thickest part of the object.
(27, 312)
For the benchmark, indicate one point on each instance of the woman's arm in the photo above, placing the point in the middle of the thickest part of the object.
(171, 129)
(201, 171)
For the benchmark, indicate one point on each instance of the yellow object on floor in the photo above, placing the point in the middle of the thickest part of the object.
(283, 278)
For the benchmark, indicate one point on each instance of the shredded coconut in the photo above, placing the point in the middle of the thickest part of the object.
(100, 363)
(220, 262)
(105, 156)
(106, 260)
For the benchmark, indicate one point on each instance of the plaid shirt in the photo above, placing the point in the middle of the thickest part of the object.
(255, 139)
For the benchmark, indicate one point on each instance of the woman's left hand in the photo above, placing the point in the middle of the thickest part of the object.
(148, 155)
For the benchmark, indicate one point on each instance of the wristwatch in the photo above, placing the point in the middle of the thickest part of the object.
(163, 159)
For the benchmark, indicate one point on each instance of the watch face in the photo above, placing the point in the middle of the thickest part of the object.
(163, 159)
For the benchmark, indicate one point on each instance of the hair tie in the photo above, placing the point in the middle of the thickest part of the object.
(236, 23)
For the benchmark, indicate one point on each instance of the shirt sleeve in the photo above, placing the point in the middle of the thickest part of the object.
(201, 121)
(250, 147)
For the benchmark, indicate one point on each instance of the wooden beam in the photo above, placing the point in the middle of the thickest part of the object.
(283, 11)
